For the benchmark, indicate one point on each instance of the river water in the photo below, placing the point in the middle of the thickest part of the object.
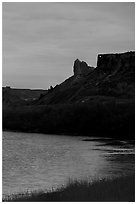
(41, 161)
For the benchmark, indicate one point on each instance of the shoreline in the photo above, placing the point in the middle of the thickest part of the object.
(75, 135)
(114, 189)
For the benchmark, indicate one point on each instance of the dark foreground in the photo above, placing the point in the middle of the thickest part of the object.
(115, 119)
(119, 189)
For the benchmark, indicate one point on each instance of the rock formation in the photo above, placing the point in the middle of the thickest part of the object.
(114, 77)
(81, 68)
(109, 63)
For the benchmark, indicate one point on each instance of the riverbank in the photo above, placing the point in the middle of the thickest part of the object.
(114, 190)
(99, 119)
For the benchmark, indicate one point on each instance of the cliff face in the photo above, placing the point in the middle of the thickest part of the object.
(81, 68)
(109, 63)
(114, 77)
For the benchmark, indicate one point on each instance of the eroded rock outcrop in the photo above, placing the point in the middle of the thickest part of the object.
(81, 68)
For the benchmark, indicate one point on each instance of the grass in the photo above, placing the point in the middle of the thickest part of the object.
(120, 189)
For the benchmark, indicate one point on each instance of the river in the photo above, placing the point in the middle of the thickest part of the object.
(40, 161)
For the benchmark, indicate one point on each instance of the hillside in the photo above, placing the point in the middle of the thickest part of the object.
(114, 77)
(12, 96)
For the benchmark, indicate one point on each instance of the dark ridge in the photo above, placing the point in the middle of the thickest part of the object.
(14, 96)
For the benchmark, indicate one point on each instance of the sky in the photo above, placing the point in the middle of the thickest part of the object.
(40, 41)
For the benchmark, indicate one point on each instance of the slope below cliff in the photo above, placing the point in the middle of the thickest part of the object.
(114, 77)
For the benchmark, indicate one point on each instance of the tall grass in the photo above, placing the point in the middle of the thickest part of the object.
(113, 190)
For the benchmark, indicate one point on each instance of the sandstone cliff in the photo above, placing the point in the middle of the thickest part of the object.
(110, 63)
(81, 68)
(114, 77)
